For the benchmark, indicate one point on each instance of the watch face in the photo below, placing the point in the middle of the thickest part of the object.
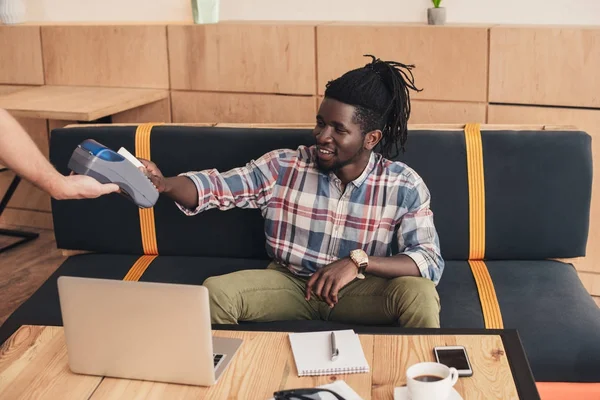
(361, 260)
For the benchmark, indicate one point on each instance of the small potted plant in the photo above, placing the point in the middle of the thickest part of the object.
(12, 11)
(436, 15)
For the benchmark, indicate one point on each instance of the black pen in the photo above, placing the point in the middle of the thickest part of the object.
(335, 352)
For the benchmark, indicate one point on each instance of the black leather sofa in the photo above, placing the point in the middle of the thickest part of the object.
(537, 199)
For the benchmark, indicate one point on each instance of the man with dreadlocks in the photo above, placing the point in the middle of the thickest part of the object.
(332, 212)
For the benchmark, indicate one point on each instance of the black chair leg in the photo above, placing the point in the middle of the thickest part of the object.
(25, 236)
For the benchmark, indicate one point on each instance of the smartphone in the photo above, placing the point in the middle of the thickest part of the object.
(454, 356)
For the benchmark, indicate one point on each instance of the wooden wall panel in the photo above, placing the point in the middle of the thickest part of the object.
(446, 112)
(242, 57)
(442, 112)
(35, 219)
(451, 62)
(241, 108)
(27, 196)
(21, 55)
(587, 120)
(29, 205)
(544, 65)
(115, 56)
(159, 111)
(58, 123)
(591, 282)
(38, 130)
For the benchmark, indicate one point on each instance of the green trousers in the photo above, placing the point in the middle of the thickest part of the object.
(275, 294)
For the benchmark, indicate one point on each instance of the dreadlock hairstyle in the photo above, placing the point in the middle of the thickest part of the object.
(380, 93)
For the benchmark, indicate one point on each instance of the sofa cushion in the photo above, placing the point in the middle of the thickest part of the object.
(534, 209)
(556, 319)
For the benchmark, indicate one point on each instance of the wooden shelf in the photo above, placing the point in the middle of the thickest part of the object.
(77, 103)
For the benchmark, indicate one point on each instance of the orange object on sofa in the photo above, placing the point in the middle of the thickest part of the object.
(568, 390)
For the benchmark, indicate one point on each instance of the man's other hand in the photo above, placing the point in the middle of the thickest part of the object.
(327, 282)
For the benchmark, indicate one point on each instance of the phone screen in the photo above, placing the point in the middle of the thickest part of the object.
(456, 358)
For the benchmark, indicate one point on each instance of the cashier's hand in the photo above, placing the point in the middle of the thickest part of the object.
(154, 174)
(80, 187)
(327, 282)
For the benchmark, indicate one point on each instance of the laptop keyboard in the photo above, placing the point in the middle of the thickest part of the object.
(217, 358)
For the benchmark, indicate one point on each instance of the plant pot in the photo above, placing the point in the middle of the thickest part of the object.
(12, 11)
(205, 11)
(436, 16)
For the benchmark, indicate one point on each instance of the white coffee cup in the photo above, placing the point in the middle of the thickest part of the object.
(442, 379)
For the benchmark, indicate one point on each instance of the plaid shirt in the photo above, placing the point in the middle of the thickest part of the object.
(310, 222)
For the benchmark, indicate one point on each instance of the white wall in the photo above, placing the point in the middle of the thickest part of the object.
(569, 12)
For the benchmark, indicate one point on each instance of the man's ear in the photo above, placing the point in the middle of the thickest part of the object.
(372, 138)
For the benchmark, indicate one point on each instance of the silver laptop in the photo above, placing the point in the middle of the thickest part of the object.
(142, 330)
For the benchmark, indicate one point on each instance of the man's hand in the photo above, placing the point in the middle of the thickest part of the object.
(155, 175)
(327, 282)
(179, 188)
(80, 187)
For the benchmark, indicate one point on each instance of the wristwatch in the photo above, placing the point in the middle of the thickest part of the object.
(361, 259)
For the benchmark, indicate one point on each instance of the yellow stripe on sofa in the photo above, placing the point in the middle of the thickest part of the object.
(492, 316)
(490, 308)
(476, 191)
(139, 267)
(147, 226)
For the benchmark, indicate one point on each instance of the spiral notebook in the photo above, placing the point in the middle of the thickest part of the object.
(312, 353)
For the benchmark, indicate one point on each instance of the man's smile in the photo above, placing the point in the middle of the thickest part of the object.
(324, 153)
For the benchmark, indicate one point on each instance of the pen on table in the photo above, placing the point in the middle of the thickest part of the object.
(335, 352)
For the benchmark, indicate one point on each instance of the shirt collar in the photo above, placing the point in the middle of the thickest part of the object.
(363, 176)
(370, 165)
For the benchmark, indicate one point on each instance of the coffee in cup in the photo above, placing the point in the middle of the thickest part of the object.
(428, 378)
(430, 381)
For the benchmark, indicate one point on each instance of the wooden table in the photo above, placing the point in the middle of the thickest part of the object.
(76, 103)
(7, 89)
(34, 364)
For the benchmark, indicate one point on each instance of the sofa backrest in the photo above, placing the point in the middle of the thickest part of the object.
(537, 191)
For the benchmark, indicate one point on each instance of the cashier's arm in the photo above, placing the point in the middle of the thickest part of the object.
(19, 153)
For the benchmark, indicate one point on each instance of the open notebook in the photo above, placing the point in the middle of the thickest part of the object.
(312, 353)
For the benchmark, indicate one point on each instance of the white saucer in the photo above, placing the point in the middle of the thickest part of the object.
(401, 393)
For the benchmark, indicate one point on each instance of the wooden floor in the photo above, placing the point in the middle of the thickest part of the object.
(24, 268)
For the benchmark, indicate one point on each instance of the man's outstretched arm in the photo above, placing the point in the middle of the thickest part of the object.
(19, 153)
(249, 186)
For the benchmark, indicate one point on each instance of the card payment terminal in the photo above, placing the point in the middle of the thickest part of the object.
(107, 166)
